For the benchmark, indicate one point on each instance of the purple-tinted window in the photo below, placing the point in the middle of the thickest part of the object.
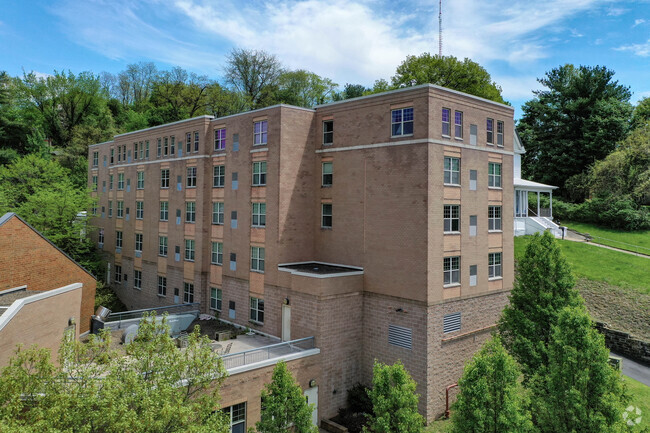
(458, 124)
(402, 121)
(260, 132)
(446, 126)
(220, 139)
(490, 131)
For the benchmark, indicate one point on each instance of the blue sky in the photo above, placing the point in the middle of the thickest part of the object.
(355, 41)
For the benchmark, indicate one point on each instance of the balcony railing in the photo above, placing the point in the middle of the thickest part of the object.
(265, 353)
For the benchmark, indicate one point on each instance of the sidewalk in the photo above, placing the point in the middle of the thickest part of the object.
(635, 370)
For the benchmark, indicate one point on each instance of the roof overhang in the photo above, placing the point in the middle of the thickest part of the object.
(529, 185)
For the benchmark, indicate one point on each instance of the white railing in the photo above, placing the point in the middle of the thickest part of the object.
(267, 352)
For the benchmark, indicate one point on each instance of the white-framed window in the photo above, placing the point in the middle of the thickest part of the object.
(446, 122)
(499, 133)
(259, 173)
(259, 214)
(120, 209)
(146, 152)
(112, 155)
(217, 253)
(139, 210)
(118, 239)
(188, 142)
(451, 270)
(110, 182)
(93, 209)
(118, 273)
(401, 122)
(237, 416)
(217, 213)
(138, 242)
(110, 208)
(458, 124)
(257, 310)
(220, 139)
(162, 246)
(494, 265)
(191, 177)
(215, 298)
(120, 181)
(452, 171)
(141, 150)
(164, 210)
(101, 236)
(162, 285)
(494, 218)
(326, 215)
(327, 174)
(190, 212)
(189, 250)
(188, 293)
(164, 178)
(135, 150)
(196, 141)
(219, 176)
(451, 215)
(95, 183)
(489, 128)
(328, 132)
(257, 259)
(140, 184)
(95, 159)
(137, 279)
(494, 175)
(260, 132)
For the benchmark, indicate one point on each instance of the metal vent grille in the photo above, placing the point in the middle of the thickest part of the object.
(451, 323)
(400, 336)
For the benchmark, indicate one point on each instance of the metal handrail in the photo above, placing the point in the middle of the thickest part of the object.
(265, 350)
(119, 316)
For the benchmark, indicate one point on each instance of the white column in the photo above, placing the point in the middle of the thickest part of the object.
(538, 203)
(550, 202)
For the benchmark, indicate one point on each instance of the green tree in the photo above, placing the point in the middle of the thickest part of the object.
(284, 408)
(577, 391)
(178, 95)
(254, 74)
(491, 398)
(641, 113)
(304, 88)
(14, 124)
(394, 401)
(575, 121)
(544, 286)
(157, 388)
(447, 71)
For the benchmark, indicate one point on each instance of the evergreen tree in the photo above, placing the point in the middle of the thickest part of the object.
(544, 286)
(490, 399)
(284, 406)
(394, 401)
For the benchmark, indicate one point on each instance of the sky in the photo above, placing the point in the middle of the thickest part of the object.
(351, 41)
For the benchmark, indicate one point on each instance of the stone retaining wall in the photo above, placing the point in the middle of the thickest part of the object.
(625, 344)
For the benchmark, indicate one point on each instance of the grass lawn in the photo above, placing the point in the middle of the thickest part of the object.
(640, 397)
(638, 241)
(442, 426)
(600, 264)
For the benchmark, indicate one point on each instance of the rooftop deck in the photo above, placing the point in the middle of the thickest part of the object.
(254, 351)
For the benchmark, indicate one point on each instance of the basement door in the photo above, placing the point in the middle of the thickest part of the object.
(311, 395)
(286, 322)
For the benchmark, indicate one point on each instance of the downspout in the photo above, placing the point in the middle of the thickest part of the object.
(447, 398)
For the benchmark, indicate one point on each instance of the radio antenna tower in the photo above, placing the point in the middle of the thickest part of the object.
(440, 28)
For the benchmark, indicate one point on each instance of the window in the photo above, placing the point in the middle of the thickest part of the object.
(166, 146)
(191, 177)
(162, 246)
(217, 213)
(499, 133)
(112, 155)
(494, 175)
(446, 122)
(118, 239)
(260, 132)
(451, 218)
(101, 236)
(162, 285)
(119, 153)
(494, 217)
(172, 145)
(257, 310)
(490, 131)
(146, 152)
(402, 122)
(140, 184)
(110, 209)
(139, 210)
(138, 242)
(190, 212)
(189, 250)
(328, 132)
(110, 182)
(118, 273)
(220, 139)
(217, 253)
(257, 259)
(159, 151)
(215, 298)
(135, 150)
(259, 214)
(327, 174)
(188, 142)
(494, 265)
(164, 178)
(458, 124)
(95, 183)
(137, 280)
(93, 210)
(259, 173)
(188, 293)
(120, 181)
(326, 215)
(452, 171)
(451, 270)
(219, 176)
(124, 153)
(196, 141)
(120, 209)
(164, 210)
(141, 150)
(237, 416)
(95, 159)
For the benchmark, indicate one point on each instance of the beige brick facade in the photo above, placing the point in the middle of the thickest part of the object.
(387, 197)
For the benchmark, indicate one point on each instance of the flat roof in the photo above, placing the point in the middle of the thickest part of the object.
(6, 299)
(320, 269)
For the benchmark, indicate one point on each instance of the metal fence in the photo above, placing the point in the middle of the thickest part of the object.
(267, 352)
(170, 309)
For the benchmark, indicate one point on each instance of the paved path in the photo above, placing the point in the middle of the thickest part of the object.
(576, 237)
(635, 370)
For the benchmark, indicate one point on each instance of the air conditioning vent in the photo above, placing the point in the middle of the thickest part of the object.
(451, 323)
(400, 336)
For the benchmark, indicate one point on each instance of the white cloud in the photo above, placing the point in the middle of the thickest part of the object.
(616, 12)
(576, 34)
(637, 96)
(642, 50)
(638, 22)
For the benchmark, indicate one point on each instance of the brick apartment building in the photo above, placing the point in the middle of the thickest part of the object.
(381, 225)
